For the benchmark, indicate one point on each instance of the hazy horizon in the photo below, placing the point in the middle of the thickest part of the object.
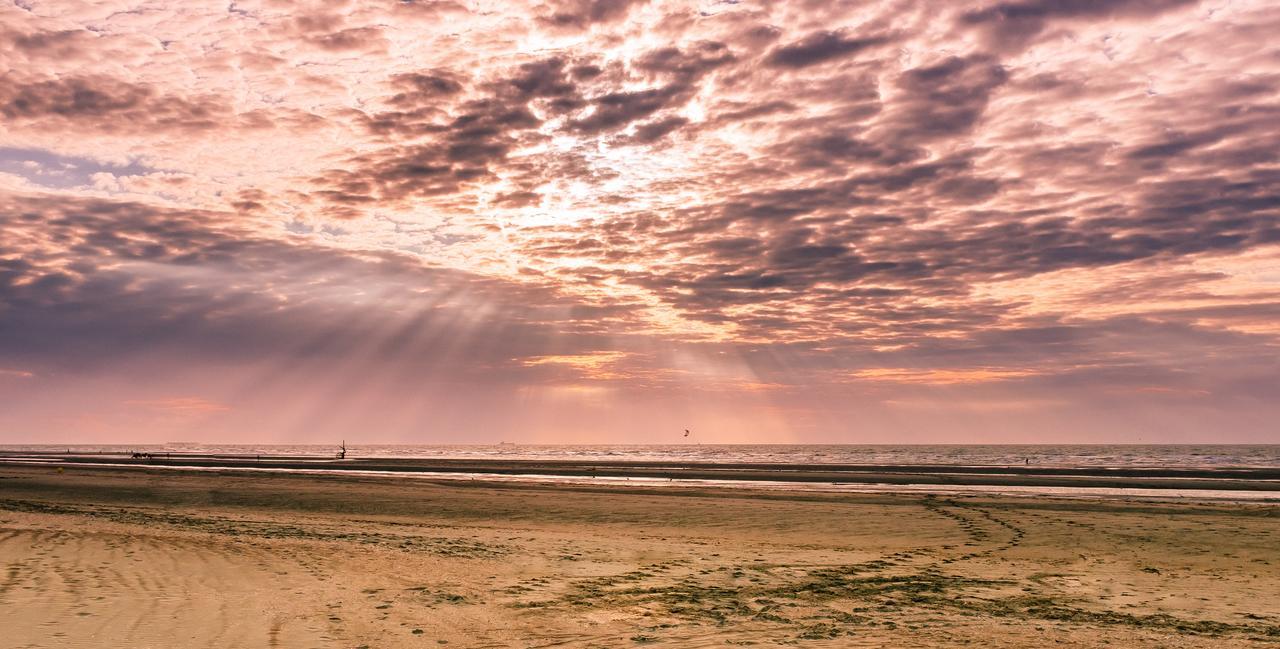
(672, 444)
(607, 221)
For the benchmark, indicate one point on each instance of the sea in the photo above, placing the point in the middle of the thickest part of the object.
(1064, 455)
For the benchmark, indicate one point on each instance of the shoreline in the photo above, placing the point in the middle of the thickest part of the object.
(1260, 480)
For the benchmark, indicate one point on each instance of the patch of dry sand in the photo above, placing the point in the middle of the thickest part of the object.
(119, 558)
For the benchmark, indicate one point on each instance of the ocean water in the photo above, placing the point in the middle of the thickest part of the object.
(1066, 455)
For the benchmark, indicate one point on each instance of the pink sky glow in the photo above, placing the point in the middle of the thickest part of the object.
(606, 221)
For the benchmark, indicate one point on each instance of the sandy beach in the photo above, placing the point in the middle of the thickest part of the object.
(147, 557)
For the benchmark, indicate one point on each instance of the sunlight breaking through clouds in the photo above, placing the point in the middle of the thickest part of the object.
(418, 219)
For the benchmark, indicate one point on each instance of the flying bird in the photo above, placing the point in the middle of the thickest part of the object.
(686, 432)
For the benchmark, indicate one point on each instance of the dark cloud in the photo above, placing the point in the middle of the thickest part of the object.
(946, 98)
(1174, 145)
(686, 64)
(353, 39)
(417, 88)
(545, 78)
(108, 105)
(586, 71)
(651, 132)
(797, 246)
(1012, 24)
(617, 109)
(71, 98)
(840, 150)
(735, 113)
(465, 137)
(822, 46)
(89, 282)
(584, 13)
(60, 44)
(680, 69)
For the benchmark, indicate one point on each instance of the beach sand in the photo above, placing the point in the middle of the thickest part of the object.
(102, 557)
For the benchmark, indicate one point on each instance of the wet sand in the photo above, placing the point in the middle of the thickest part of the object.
(143, 557)
(1257, 479)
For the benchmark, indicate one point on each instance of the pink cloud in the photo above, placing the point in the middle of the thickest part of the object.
(810, 212)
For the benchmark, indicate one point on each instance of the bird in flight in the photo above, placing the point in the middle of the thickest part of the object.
(686, 432)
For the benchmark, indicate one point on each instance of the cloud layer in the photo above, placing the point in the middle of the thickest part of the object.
(584, 221)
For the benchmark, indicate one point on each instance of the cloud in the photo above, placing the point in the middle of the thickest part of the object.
(86, 280)
(418, 88)
(354, 39)
(821, 47)
(112, 106)
(651, 132)
(98, 99)
(1035, 203)
(945, 98)
(583, 13)
(1011, 24)
(616, 109)
(53, 44)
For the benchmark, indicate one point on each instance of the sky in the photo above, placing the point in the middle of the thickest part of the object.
(607, 221)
